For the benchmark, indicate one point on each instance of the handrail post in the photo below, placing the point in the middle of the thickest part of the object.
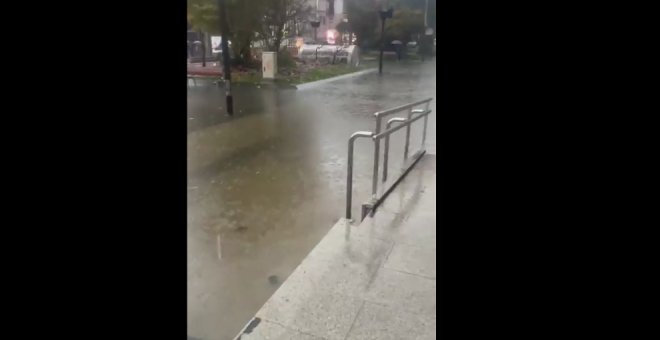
(374, 183)
(426, 121)
(349, 180)
(386, 154)
(386, 151)
(405, 150)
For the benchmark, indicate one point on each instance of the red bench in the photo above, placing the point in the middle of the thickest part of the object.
(198, 71)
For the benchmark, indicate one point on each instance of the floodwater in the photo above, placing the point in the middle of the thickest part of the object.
(266, 185)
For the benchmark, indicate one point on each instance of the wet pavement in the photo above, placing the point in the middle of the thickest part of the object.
(370, 280)
(266, 185)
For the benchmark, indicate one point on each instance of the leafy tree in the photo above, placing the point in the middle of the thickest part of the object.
(363, 20)
(248, 20)
(203, 18)
(244, 21)
(408, 19)
(404, 25)
(418, 5)
(343, 27)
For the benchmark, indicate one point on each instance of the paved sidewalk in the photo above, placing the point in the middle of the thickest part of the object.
(375, 280)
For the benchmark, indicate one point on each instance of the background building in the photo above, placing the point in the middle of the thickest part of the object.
(330, 13)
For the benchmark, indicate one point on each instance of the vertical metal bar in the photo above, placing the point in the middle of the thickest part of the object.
(386, 153)
(382, 43)
(405, 150)
(226, 60)
(349, 180)
(374, 188)
(426, 121)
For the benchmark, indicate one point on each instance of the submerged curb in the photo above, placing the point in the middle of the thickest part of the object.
(343, 76)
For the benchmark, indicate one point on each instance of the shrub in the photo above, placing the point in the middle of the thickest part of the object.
(284, 59)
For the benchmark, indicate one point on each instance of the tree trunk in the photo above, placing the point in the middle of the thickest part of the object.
(276, 44)
(246, 52)
(241, 48)
(279, 34)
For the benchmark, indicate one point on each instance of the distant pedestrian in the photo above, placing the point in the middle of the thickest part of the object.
(398, 47)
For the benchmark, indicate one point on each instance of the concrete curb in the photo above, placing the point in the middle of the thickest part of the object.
(343, 76)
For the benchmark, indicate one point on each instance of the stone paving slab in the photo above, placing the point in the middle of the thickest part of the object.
(412, 260)
(382, 322)
(273, 331)
(411, 293)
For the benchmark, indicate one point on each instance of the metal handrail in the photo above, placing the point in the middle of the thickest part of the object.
(379, 115)
(376, 137)
(402, 107)
(406, 125)
(349, 180)
(387, 139)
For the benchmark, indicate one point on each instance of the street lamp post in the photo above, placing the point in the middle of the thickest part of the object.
(202, 38)
(424, 40)
(225, 56)
(384, 15)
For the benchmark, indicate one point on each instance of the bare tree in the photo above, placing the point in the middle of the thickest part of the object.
(279, 16)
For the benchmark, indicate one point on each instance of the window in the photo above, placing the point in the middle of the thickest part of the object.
(331, 7)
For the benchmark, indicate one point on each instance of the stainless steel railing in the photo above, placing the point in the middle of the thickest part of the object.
(376, 137)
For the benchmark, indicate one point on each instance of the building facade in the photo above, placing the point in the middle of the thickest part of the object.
(329, 13)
